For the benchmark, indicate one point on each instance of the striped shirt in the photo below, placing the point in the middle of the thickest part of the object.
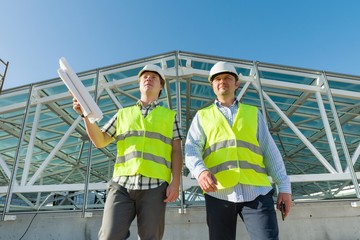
(273, 161)
(139, 182)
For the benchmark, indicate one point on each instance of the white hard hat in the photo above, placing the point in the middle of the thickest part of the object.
(153, 68)
(222, 67)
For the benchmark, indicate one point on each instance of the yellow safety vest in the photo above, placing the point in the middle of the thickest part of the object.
(144, 145)
(232, 153)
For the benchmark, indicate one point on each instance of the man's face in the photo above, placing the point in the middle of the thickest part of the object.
(224, 84)
(150, 83)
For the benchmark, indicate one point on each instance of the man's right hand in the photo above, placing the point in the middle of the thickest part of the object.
(76, 105)
(207, 181)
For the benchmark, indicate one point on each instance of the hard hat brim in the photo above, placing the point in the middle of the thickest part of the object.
(211, 78)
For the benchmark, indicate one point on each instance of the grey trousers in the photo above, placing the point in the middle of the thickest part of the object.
(123, 205)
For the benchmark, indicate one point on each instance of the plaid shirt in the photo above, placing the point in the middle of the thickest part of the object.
(139, 182)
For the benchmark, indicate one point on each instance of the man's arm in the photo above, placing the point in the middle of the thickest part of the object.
(274, 164)
(172, 191)
(194, 145)
(273, 160)
(98, 138)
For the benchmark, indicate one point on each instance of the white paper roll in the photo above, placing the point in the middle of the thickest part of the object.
(89, 107)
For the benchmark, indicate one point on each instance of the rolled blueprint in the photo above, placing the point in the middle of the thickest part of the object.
(89, 107)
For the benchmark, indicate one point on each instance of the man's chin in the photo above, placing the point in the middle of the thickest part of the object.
(223, 91)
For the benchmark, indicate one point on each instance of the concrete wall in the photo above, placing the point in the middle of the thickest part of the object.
(336, 220)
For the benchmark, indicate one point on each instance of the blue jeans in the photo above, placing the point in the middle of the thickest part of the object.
(259, 217)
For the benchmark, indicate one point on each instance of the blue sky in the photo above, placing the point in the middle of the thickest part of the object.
(315, 34)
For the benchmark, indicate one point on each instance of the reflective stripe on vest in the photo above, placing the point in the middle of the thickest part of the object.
(232, 153)
(144, 145)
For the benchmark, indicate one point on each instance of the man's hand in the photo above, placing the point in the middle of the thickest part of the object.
(172, 192)
(286, 199)
(207, 181)
(76, 105)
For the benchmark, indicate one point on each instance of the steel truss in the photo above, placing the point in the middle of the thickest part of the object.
(47, 162)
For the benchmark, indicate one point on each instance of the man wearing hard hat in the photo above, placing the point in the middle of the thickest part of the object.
(148, 164)
(231, 153)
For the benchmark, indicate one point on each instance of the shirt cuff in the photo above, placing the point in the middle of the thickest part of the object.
(199, 170)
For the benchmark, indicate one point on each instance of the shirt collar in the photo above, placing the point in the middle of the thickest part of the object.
(152, 105)
(235, 103)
